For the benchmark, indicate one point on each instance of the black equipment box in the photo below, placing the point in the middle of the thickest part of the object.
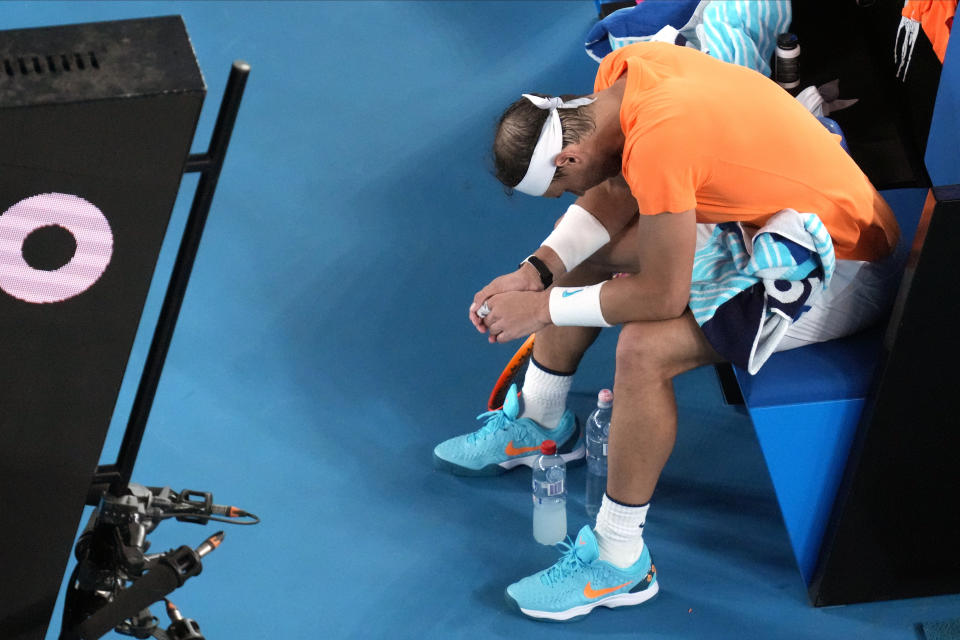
(96, 124)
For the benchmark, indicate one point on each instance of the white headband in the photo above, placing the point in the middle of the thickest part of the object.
(542, 168)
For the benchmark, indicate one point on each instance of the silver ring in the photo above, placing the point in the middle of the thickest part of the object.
(483, 311)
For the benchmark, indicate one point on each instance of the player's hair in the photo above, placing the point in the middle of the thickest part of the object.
(519, 129)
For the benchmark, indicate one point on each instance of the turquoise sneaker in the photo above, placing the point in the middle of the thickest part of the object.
(579, 582)
(505, 442)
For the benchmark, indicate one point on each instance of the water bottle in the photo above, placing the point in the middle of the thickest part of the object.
(598, 434)
(549, 495)
(786, 70)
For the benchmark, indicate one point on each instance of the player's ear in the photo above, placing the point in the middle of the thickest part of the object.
(570, 154)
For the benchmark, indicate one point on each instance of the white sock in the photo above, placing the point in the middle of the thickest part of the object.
(544, 395)
(619, 532)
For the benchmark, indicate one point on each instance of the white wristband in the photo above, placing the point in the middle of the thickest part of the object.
(577, 307)
(577, 237)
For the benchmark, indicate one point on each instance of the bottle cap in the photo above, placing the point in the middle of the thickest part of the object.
(788, 41)
(548, 447)
(605, 398)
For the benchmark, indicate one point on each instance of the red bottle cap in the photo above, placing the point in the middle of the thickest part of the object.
(548, 447)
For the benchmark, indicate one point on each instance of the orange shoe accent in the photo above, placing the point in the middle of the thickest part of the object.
(511, 450)
(592, 593)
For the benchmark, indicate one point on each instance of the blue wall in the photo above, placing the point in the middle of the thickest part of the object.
(942, 159)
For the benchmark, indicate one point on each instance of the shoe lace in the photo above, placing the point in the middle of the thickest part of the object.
(568, 564)
(494, 421)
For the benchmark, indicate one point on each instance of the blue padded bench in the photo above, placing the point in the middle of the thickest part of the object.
(805, 405)
(864, 454)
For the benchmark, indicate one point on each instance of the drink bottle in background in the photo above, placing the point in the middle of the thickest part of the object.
(598, 434)
(549, 495)
(786, 67)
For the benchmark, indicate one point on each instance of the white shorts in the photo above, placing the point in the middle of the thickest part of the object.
(860, 294)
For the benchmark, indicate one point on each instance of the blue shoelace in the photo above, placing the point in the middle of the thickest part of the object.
(568, 564)
(495, 420)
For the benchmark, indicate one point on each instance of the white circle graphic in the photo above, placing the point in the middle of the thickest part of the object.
(791, 294)
(83, 220)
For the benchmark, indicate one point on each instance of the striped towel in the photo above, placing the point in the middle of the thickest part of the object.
(746, 292)
(743, 32)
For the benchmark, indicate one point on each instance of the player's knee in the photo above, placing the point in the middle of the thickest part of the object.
(642, 353)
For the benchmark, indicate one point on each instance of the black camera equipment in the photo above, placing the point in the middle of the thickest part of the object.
(116, 580)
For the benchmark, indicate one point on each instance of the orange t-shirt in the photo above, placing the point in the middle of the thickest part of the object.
(936, 18)
(727, 141)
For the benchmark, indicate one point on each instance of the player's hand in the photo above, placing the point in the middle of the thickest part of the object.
(516, 314)
(525, 278)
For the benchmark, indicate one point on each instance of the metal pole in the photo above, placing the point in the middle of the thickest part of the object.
(209, 165)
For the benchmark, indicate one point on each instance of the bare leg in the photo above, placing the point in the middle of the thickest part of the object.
(644, 423)
(562, 348)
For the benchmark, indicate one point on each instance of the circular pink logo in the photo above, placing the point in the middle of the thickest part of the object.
(84, 221)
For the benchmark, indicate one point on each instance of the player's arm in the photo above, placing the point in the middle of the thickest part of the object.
(588, 225)
(660, 290)
(596, 216)
(665, 246)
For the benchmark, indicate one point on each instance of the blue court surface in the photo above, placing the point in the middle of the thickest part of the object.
(324, 349)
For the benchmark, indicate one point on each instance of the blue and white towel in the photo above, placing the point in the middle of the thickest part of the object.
(747, 291)
(743, 32)
(642, 24)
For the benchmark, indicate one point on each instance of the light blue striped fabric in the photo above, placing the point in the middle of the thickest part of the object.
(725, 266)
(744, 32)
(745, 293)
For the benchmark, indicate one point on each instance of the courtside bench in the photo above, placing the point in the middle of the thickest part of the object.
(805, 405)
(862, 435)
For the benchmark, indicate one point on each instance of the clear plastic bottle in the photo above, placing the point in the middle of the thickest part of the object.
(598, 434)
(549, 495)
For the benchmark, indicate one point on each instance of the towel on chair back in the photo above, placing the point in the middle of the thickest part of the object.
(742, 32)
(747, 291)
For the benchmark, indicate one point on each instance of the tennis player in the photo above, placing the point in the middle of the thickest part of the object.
(670, 138)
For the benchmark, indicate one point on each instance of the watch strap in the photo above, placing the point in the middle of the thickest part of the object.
(546, 277)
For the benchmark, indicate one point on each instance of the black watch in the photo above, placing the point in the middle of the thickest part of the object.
(545, 276)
